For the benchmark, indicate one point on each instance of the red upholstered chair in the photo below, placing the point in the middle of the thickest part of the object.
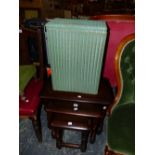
(30, 76)
(119, 26)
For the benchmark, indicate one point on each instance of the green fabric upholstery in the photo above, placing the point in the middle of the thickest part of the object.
(128, 73)
(121, 123)
(121, 127)
(26, 72)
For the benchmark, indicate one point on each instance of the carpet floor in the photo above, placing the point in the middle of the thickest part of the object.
(28, 144)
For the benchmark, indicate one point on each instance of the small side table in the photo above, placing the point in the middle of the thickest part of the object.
(80, 124)
(75, 105)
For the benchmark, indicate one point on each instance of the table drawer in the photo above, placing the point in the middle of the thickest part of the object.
(76, 108)
(70, 122)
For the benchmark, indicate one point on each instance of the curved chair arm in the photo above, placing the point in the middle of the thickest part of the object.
(117, 60)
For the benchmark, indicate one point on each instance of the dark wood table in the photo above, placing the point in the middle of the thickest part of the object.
(77, 105)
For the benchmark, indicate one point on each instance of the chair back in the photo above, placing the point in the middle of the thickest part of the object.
(125, 71)
(119, 26)
(31, 49)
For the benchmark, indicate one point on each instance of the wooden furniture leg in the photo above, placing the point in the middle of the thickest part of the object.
(59, 140)
(36, 122)
(37, 128)
(84, 140)
(92, 137)
(95, 126)
(55, 133)
(100, 127)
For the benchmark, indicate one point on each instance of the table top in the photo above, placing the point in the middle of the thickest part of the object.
(105, 94)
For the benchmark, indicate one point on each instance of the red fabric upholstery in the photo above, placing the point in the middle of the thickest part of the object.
(118, 29)
(32, 95)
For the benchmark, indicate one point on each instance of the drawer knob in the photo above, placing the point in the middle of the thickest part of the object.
(75, 105)
(79, 96)
(69, 123)
(75, 108)
(104, 107)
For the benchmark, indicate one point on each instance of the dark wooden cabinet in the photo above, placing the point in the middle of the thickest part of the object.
(76, 110)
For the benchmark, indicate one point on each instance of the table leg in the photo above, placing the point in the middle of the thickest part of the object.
(37, 128)
(84, 140)
(59, 138)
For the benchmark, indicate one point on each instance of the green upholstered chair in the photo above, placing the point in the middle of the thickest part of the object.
(26, 73)
(121, 122)
(30, 76)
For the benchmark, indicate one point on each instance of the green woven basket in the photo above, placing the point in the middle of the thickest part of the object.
(75, 50)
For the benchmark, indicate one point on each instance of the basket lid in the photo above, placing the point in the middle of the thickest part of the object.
(79, 24)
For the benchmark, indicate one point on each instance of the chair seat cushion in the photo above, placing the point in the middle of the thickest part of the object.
(26, 72)
(29, 106)
(121, 127)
